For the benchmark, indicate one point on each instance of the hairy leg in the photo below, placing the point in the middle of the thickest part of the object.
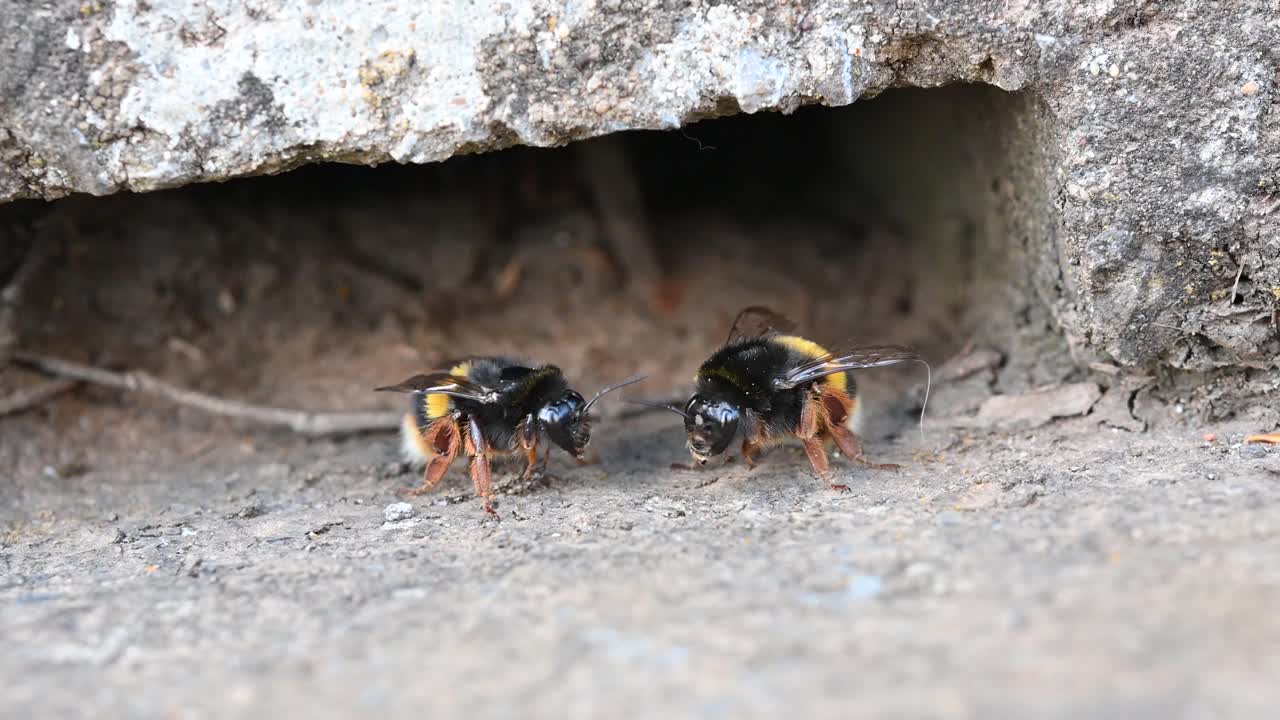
(528, 438)
(812, 420)
(478, 448)
(445, 438)
(851, 445)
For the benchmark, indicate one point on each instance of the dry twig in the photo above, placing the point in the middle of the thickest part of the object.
(303, 423)
(29, 397)
(1271, 438)
(1235, 289)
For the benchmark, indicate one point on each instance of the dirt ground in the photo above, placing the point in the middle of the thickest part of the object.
(159, 562)
(1062, 573)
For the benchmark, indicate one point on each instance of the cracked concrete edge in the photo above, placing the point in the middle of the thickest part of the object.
(139, 96)
(1157, 121)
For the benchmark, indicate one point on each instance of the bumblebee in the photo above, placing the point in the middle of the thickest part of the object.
(489, 407)
(774, 385)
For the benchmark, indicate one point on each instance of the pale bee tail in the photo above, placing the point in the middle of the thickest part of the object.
(413, 446)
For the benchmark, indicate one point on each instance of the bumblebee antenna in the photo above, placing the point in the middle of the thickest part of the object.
(928, 385)
(610, 388)
(660, 406)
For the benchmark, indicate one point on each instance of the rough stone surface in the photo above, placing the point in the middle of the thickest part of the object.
(1157, 121)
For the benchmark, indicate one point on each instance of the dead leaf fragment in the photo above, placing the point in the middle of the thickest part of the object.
(969, 363)
(1039, 407)
(977, 497)
(1271, 438)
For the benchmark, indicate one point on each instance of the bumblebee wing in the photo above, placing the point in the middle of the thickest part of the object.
(868, 356)
(444, 383)
(758, 321)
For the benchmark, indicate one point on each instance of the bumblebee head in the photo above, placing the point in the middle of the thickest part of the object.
(711, 425)
(565, 421)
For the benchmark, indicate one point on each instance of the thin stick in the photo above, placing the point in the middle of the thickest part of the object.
(619, 204)
(11, 297)
(31, 396)
(303, 423)
(27, 268)
(1236, 287)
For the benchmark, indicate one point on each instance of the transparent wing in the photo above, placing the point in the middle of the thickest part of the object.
(758, 321)
(443, 383)
(857, 358)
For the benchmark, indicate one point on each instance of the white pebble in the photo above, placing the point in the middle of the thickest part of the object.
(396, 512)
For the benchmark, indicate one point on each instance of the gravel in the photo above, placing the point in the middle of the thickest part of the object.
(395, 512)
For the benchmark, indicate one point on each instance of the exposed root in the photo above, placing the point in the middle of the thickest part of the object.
(303, 423)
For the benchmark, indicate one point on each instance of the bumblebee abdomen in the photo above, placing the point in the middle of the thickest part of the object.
(434, 406)
(413, 444)
(811, 350)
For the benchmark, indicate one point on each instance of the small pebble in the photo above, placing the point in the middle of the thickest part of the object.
(949, 517)
(1249, 89)
(396, 512)
(1210, 437)
(1254, 450)
(226, 302)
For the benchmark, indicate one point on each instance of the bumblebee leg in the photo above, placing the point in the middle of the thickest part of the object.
(818, 458)
(851, 445)
(478, 448)
(531, 460)
(838, 405)
(749, 450)
(752, 441)
(443, 436)
(529, 442)
(812, 419)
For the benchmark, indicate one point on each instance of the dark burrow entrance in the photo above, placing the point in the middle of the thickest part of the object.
(909, 218)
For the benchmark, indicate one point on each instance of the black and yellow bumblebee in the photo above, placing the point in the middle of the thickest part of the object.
(774, 385)
(487, 407)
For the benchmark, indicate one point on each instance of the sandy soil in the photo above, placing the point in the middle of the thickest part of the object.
(1061, 573)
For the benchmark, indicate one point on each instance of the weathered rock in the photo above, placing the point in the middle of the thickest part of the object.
(1155, 123)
